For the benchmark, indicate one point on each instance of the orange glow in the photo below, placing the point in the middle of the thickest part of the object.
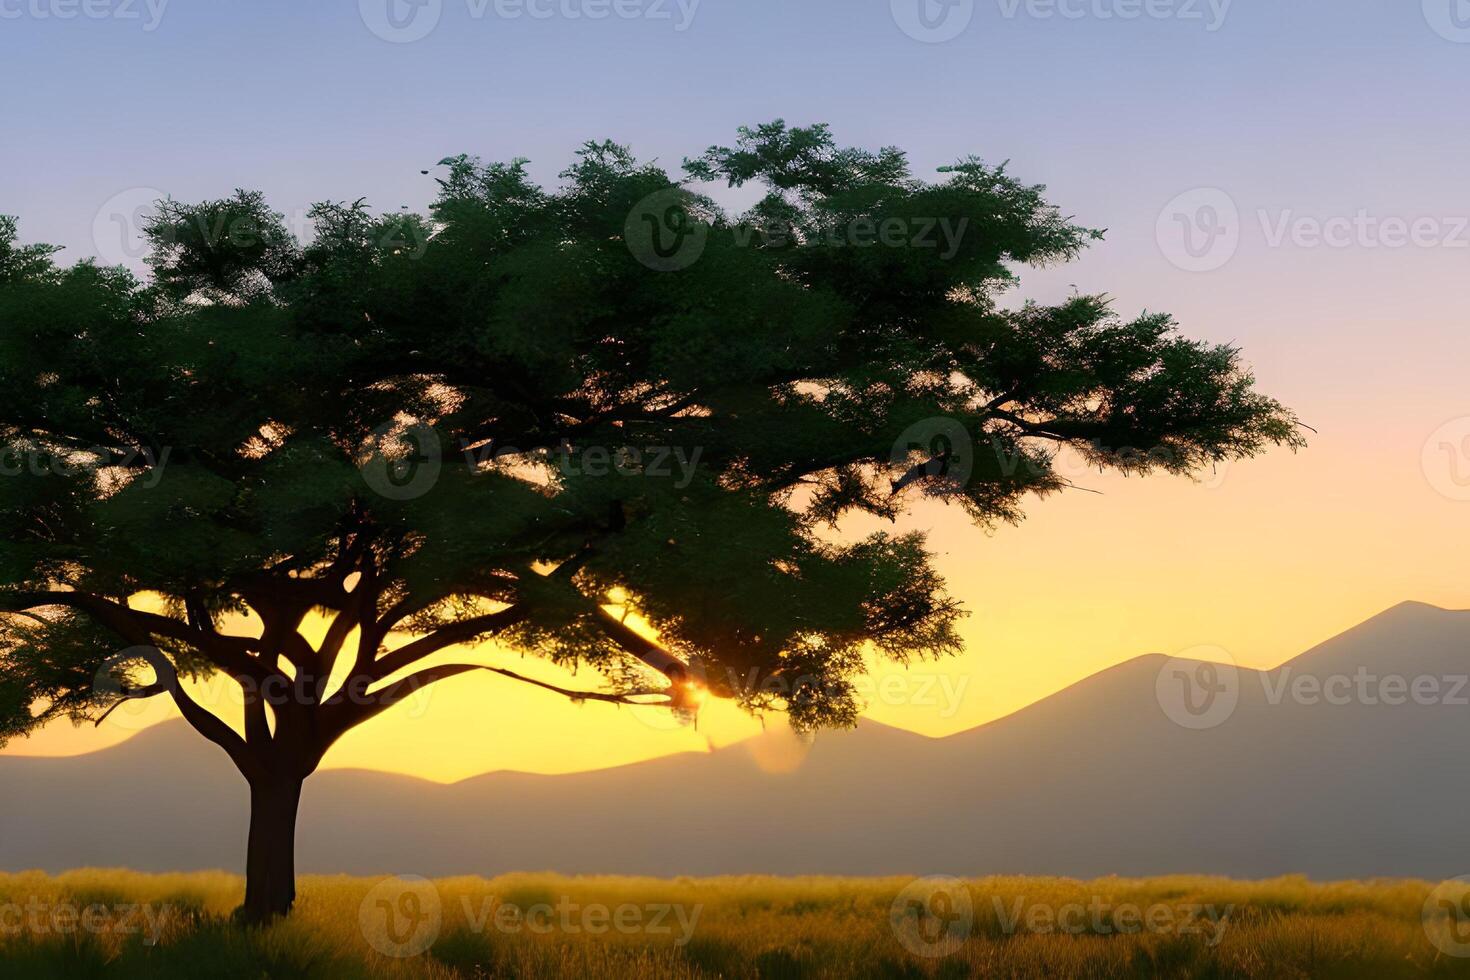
(1265, 560)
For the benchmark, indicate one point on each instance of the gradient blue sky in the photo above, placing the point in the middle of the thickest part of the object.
(1309, 108)
(1323, 106)
(1318, 105)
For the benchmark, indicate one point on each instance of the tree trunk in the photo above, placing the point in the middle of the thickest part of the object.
(270, 862)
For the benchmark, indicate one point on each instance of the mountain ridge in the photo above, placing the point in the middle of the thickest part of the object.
(178, 727)
(1094, 779)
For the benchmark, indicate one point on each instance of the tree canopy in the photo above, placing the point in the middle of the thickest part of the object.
(487, 420)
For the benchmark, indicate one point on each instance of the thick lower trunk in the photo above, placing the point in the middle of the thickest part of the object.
(270, 862)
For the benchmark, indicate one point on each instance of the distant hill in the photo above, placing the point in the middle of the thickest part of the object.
(1093, 780)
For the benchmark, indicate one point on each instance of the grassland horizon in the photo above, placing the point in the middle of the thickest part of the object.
(95, 922)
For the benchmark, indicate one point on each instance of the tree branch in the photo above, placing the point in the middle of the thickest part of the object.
(201, 720)
(344, 716)
(642, 648)
(230, 653)
(446, 636)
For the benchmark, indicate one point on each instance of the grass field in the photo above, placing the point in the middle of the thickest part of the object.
(122, 924)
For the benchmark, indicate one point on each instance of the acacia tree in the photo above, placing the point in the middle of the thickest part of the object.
(434, 431)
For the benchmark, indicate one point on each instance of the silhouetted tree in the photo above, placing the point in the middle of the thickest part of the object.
(481, 423)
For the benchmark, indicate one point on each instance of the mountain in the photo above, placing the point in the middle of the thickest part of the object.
(1096, 779)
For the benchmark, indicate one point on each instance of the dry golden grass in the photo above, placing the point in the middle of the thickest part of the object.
(737, 927)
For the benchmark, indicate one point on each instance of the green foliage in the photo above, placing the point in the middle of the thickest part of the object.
(460, 403)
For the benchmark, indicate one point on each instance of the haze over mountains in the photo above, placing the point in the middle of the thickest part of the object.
(1365, 777)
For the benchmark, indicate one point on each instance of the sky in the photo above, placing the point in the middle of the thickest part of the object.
(1287, 177)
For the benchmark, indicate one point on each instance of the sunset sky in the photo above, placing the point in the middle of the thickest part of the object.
(1311, 131)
